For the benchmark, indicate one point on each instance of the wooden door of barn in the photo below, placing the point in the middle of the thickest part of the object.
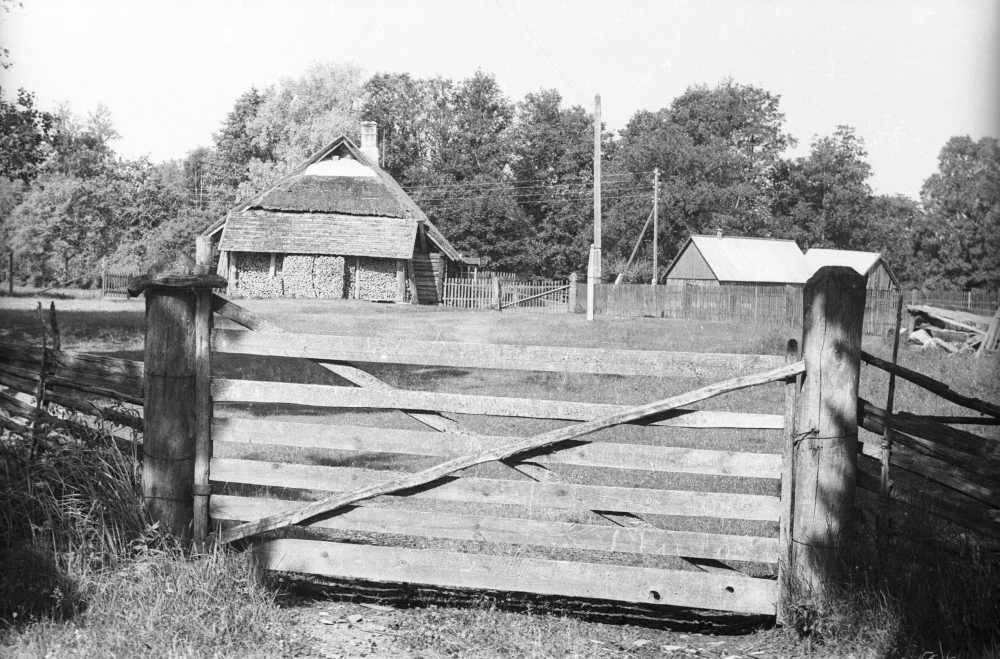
(680, 507)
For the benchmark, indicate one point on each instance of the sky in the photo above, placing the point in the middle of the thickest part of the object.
(907, 74)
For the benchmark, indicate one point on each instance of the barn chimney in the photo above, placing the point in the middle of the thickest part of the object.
(369, 140)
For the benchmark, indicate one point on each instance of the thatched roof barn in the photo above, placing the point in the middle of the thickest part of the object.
(337, 226)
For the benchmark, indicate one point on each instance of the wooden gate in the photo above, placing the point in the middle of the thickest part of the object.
(585, 519)
(617, 499)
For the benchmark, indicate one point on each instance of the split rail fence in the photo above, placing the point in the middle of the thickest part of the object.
(919, 464)
(42, 386)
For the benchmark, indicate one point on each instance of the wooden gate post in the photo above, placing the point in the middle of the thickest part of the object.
(826, 426)
(177, 407)
(571, 301)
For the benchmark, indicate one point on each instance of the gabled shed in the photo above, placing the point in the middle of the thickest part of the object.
(713, 260)
(870, 265)
(337, 226)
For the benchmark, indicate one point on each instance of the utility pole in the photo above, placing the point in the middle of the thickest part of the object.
(594, 266)
(656, 225)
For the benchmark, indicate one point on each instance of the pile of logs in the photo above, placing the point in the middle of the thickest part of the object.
(951, 331)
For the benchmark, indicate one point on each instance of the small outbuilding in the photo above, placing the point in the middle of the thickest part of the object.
(338, 226)
(870, 265)
(709, 261)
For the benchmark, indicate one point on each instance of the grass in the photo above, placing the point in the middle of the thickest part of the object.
(98, 560)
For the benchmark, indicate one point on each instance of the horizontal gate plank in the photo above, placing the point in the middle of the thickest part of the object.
(529, 575)
(258, 391)
(565, 535)
(489, 490)
(446, 444)
(656, 363)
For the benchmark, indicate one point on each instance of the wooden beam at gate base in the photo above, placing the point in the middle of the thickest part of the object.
(511, 530)
(733, 592)
(515, 448)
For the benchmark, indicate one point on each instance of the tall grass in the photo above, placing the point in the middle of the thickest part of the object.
(85, 574)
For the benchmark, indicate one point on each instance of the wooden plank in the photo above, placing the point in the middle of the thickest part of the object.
(450, 444)
(509, 530)
(87, 405)
(473, 355)
(237, 314)
(527, 575)
(872, 416)
(983, 488)
(510, 450)
(491, 490)
(257, 391)
(933, 386)
(202, 410)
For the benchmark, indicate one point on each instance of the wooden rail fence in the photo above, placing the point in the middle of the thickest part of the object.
(415, 494)
(921, 463)
(604, 536)
(42, 385)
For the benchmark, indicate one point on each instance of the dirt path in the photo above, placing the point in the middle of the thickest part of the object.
(338, 629)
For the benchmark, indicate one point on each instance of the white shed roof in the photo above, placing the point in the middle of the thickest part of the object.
(759, 260)
(862, 262)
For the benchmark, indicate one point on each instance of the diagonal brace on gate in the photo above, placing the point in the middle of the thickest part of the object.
(339, 501)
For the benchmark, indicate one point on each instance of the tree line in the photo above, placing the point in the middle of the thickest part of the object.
(507, 180)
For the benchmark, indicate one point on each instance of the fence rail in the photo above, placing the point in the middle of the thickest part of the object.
(494, 509)
(41, 385)
(949, 472)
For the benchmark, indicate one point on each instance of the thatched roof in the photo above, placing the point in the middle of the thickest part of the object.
(319, 233)
(351, 195)
(372, 194)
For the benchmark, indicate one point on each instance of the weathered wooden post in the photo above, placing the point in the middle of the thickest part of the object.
(10, 274)
(496, 292)
(177, 407)
(826, 426)
(203, 255)
(572, 292)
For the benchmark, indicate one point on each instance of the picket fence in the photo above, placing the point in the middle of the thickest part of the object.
(538, 295)
(115, 283)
